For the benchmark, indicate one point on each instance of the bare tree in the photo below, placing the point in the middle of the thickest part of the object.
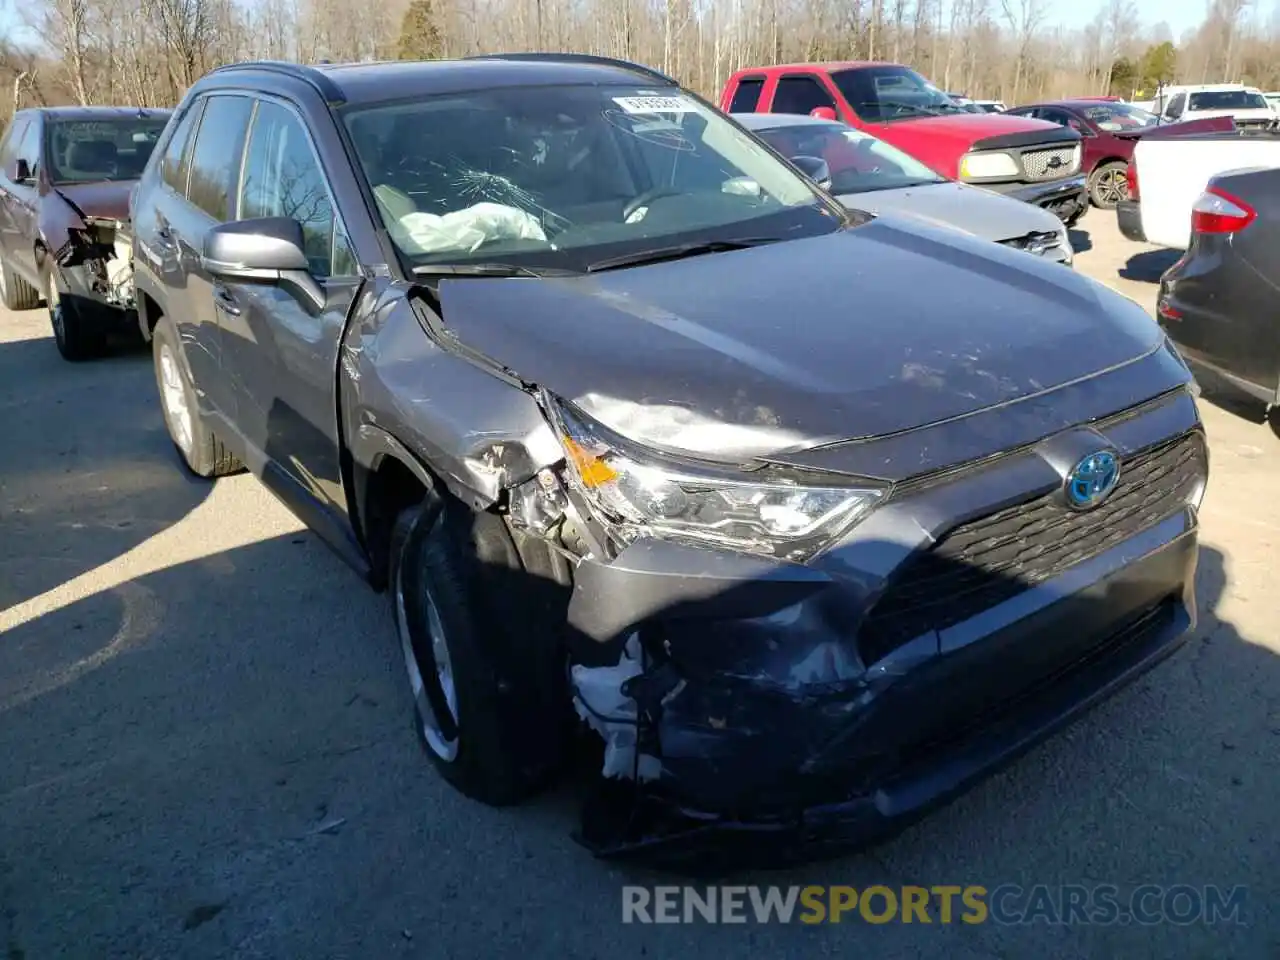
(1024, 18)
(149, 52)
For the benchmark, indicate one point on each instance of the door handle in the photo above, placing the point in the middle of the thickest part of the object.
(224, 301)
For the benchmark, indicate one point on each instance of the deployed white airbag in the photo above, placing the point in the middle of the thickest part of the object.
(464, 230)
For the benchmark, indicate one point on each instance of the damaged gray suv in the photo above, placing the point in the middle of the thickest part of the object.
(806, 519)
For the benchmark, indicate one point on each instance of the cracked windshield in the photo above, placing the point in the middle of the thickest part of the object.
(559, 177)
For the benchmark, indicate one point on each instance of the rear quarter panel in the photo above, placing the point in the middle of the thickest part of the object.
(1256, 297)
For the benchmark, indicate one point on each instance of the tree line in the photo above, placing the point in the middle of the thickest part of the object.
(147, 52)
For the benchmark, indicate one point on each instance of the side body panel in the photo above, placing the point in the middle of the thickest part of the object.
(401, 390)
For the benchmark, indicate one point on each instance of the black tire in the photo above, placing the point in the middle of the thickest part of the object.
(74, 331)
(1103, 184)
(201, 451)
(507, 666)
(16, 293)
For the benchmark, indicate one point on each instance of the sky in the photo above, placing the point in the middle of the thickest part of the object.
(1180, 15)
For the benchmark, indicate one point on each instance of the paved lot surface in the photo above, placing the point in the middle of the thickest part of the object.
(205, 746)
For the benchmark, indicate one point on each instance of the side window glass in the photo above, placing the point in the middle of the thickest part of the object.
(283, 179)
(12, 140)
(29, 148)
(215, 160)
(747, 96)
(800, 95)
(173, 167)
(344, 259)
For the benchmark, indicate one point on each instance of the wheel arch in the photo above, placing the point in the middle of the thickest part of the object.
(1105, 160)
(386, 479)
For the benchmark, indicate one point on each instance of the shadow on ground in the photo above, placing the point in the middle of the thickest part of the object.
(1080, 239)
(1150, 265)
(87, 470)
(248, 785)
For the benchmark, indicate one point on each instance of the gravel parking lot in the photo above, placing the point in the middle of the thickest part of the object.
(206, 750)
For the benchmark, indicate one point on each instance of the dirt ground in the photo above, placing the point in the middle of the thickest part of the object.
(205, 743)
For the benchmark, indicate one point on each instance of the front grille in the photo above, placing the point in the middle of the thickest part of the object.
(992, 559)
(1041, 165)
(1037, 242)
(1137, 630)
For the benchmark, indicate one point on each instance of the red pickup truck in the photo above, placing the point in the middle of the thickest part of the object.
(1027, 159)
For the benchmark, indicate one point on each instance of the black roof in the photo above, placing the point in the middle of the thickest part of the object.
(355, 83)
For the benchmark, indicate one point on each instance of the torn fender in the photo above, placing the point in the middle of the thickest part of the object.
(77, 222)
(479, 433)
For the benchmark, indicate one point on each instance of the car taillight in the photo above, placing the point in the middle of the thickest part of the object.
(1131, 179)
(1219, 212)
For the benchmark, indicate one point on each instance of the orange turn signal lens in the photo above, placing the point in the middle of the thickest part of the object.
(593, 471)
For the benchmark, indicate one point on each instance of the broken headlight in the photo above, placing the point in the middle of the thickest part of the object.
(635, 495)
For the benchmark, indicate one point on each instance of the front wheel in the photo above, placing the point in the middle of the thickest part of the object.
(1108, 185)
(485, 666)
(74, 334)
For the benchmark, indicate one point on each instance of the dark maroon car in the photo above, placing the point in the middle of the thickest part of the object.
(65, 178)
(1108, 130)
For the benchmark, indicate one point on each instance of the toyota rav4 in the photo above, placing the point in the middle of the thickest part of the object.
(810, 518)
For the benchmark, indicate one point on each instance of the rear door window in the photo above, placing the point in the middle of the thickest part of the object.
(173, 164)
(215, 160)
(747, 97)
(800, 95)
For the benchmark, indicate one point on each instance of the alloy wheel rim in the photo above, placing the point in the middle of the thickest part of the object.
(1112, 186)
(177, 412)
(443, 747)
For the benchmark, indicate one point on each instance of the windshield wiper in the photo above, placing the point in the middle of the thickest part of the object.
(678, 252)
(488, 269)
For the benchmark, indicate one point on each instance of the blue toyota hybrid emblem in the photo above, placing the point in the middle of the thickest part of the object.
(1092, 480)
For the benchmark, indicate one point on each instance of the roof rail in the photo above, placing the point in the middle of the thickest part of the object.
(649, 72)
(321, 82)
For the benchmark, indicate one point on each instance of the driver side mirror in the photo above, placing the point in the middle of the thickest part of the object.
(266, 250)
(824, 113)
(21, 171)
(815, 168)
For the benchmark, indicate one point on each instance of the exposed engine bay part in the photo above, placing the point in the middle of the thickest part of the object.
(103, 249)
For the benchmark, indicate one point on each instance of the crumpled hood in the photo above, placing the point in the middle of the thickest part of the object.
(100, 199)
(865, 332)
(978, 212)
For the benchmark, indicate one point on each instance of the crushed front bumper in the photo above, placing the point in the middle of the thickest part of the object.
(774, 714)
(1067, 199)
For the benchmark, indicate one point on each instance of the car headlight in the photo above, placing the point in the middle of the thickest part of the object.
(638, 494)
(980, 166)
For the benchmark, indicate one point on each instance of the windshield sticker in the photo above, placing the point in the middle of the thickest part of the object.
(660, 133)
(656, 104)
